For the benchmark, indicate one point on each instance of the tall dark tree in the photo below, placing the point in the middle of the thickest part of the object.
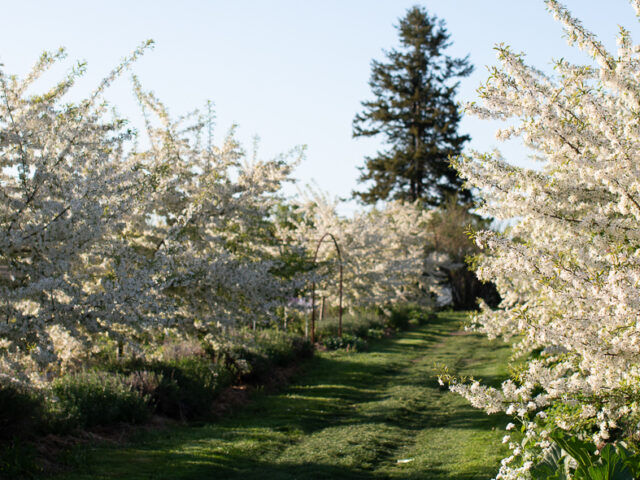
(414, 110)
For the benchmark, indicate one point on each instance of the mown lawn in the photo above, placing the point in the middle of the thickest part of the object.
(347, 416)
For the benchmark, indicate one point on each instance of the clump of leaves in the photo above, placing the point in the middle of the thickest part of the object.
(347, 342)
(21, 408)
(573, 458)
(88, 399)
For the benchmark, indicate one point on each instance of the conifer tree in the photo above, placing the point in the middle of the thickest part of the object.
(414, 111)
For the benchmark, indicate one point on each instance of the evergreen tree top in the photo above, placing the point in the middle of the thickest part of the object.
(415, 112)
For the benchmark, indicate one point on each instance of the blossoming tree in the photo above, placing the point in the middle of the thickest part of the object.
(99, 238)
(383, 250)
(569, 270)
(207, 221)
(65, 186)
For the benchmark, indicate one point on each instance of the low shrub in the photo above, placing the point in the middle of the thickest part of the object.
(276, 346)
(302, 347)
(368, 324)
(262, 351)
(402, 316)
(21, 410)
(347, 342)
(185, 387)
(283, 348)
(18, 460)
(399, 317)
(176, 349)
(93, 398)
(181, 387)
(252, 363)
(358, 323)
(188, 387)
(375, 333)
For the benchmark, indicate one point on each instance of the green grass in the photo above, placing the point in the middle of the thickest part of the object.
(347, 416)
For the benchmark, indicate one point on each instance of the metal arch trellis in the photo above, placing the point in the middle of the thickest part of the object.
(313, 289)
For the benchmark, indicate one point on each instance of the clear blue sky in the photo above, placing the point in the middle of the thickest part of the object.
(291, 71)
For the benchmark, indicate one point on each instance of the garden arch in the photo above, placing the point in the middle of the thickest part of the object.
(313, 289)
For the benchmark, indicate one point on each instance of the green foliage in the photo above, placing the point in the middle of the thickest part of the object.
(362, 325)
(612, 462)
(21, 409)
(357, 323)
(401, 316)
(415, 112)
(282, 348)
(17, 460)
(254, 355)
(346, 342)
(186, 382)
(347, 416)
(93, 398)
(553, 465)
(182, 387)
(375, 333)
(189, 386)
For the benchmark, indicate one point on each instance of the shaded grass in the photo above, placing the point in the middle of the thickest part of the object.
(347, 416)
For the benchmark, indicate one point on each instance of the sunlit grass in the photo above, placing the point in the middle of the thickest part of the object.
(348, 415)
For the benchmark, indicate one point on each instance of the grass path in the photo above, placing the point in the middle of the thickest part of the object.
(347, 416)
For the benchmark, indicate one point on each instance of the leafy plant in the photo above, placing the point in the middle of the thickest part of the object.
(612, 462)
(348, 342)
(20, 409)
(567, 265)
(94, 398)
(357, 323)
(553, 465)
(376, 333)
(399, 318)
(183, 387)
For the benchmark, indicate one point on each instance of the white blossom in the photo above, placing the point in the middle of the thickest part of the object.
(568, 270)
(101, 239)
(382, 250)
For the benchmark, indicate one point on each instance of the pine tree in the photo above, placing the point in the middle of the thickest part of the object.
(415, 112)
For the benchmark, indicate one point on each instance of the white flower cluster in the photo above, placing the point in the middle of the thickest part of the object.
(569, 271)
(101, 239)
(383, 251)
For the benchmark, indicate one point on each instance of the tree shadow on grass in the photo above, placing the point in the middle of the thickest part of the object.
(357, 394)
(185, 466)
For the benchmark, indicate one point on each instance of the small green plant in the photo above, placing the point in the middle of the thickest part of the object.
(357, 322)
(282, 348)
(21, 409)
(399, 317)
(182, 387)
(612, 462)
(18, 460)
(347, 342)
(93, 398)
(420, 316)
(375, 333)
